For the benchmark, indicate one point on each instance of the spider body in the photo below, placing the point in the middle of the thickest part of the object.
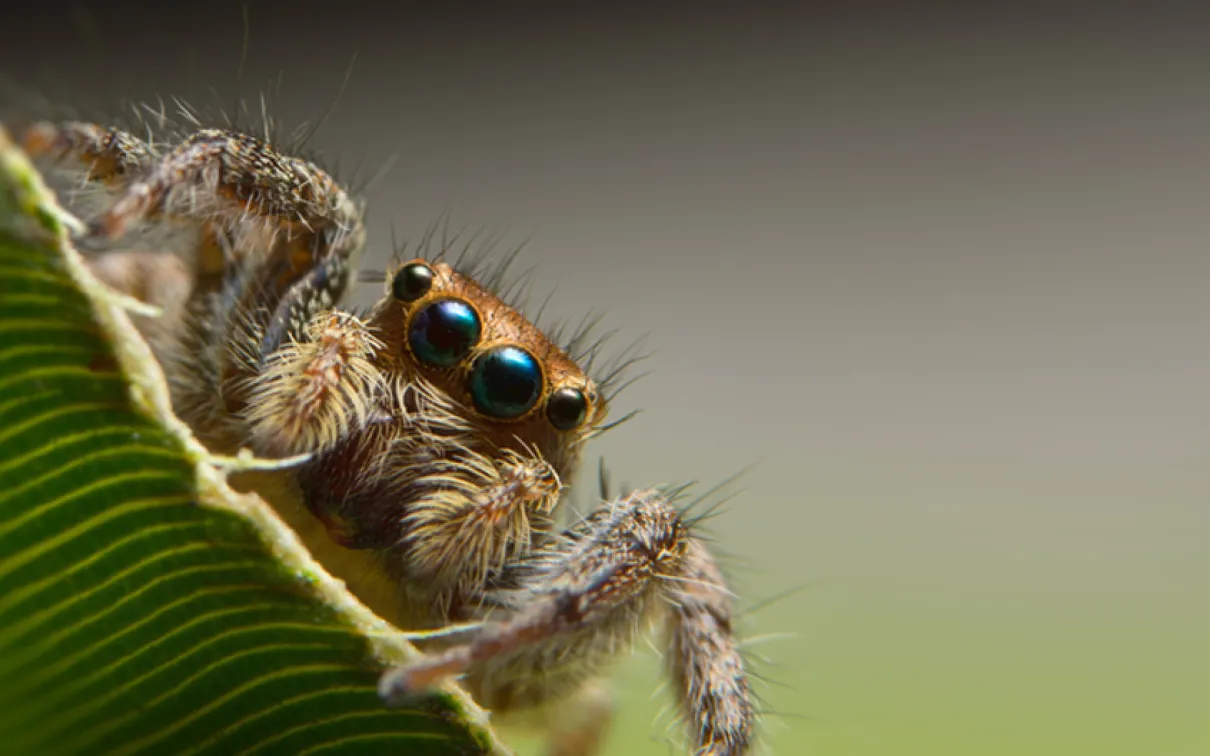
(442, 429)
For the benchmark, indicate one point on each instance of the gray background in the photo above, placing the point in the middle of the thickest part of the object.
(939, 274)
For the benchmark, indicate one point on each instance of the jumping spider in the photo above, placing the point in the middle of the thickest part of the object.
(443, 429)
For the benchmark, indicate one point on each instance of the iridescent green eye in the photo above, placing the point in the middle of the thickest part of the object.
(412, 282)
(443, 333)
(505, 382)
(566, 408)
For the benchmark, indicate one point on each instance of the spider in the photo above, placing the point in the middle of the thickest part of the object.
(441, 429)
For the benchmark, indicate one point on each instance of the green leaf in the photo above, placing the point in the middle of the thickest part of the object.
(145, 607)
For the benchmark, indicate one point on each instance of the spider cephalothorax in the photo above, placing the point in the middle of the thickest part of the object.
(441, 429)
(452, 449)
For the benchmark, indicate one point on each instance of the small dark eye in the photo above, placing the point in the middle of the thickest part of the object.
(566, 408)
(443, 332)
(505, 382)
(412, 282)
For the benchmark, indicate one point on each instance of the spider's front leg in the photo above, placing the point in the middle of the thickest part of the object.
(276, 240)
(575, 606)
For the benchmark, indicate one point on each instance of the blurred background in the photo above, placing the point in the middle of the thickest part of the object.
(937, 273)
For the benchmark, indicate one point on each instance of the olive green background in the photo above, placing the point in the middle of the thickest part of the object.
(938, 275)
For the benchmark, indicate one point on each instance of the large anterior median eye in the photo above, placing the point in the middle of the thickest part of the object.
(505, 382)
(443, 332)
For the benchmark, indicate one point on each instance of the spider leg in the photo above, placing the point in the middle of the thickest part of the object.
(115, 157)
(312, 391)
(588, 597)
(111, 155)
(277, 238)
(704, 661)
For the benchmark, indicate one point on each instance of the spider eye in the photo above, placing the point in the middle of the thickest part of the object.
(443, 332)
(566, 408)
(412, 282)
(505, 382)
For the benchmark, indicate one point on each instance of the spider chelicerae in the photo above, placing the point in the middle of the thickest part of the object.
(443, 428)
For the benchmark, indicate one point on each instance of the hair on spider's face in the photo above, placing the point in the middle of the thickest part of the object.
(484, 354)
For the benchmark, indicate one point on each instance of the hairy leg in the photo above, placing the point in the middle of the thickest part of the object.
(703, 658)
(111, 155)
(575, 606)
(276, 240)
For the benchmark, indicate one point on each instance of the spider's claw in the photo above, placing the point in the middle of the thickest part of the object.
(396, 690)
(393, 689)
(403, 684)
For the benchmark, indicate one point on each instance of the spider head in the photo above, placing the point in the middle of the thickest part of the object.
(480, 426)
(500, 373)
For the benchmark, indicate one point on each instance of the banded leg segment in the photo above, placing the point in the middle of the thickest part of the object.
(254, 206)
(110, 154)
(287, 233)
(277, 238)
(581, 603)
(704, 660)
